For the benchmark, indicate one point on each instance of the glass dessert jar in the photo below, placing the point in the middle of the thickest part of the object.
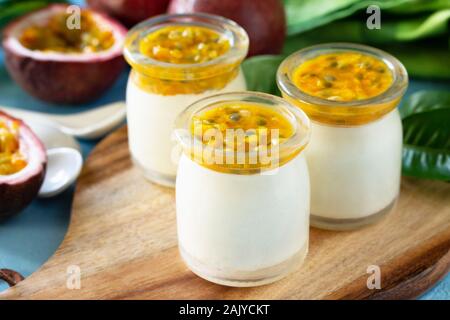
(350, 93)
(242, 190)
(176, 60)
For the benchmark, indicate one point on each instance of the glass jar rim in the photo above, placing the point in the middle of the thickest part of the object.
(395, 90)
(171, 71)
(291, 146)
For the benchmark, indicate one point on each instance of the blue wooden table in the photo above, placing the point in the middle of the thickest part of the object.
(30, 238)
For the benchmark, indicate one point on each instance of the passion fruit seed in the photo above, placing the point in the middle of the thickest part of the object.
(184, 44)
(209, 121)
(333, 64)
(261, 122)
(235, 116)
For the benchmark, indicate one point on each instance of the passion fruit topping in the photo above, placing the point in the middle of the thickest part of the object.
(256, 122)
(343, 76)
(53, 35)
(184, 44)
(11, 158)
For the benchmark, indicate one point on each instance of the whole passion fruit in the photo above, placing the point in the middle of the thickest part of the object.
(64, 56)
(264, 20)
(23, 161)
(130, 12)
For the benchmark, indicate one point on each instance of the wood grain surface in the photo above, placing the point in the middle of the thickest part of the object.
(122, 237)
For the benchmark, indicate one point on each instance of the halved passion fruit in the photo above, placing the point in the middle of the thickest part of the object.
(22, 165)
(57, 59)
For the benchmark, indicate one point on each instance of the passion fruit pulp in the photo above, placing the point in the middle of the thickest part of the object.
(22, 165)
(55, 36)
(60, 62)
(11, 159)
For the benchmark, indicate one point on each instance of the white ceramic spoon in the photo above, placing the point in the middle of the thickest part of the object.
(51, 136)
(63, 168)
(90, 124)
(60, 148)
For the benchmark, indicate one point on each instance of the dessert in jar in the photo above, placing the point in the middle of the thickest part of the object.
(350, 92)
(242, 196)
(176, 60)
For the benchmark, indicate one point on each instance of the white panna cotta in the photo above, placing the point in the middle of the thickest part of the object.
(150, 125)
(350, 92)
(243, 224)
(363, 163)
(176, 60)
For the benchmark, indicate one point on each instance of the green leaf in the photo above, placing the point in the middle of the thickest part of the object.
(303, 15)
(433, 25)
(415, 31)
(426, 135)
(13, 9)
(307, 14)
(4, 3)
(429, 129)
(419, 6)
(422, 61)
(260, 73)
(426, 163)
(424, 101)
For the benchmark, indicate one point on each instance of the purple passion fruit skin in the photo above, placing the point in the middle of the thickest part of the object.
(19, 188)
(130, 12)
(63, 75)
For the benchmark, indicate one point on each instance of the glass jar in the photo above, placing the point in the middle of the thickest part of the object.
(243, 224)
(158, 91)
(355, 153)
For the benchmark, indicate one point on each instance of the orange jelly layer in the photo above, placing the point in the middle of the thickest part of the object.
(11, 159)
(54, 35)
(343, 76)
(173, 87)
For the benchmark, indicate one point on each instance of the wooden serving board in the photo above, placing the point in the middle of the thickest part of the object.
(122, 236)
